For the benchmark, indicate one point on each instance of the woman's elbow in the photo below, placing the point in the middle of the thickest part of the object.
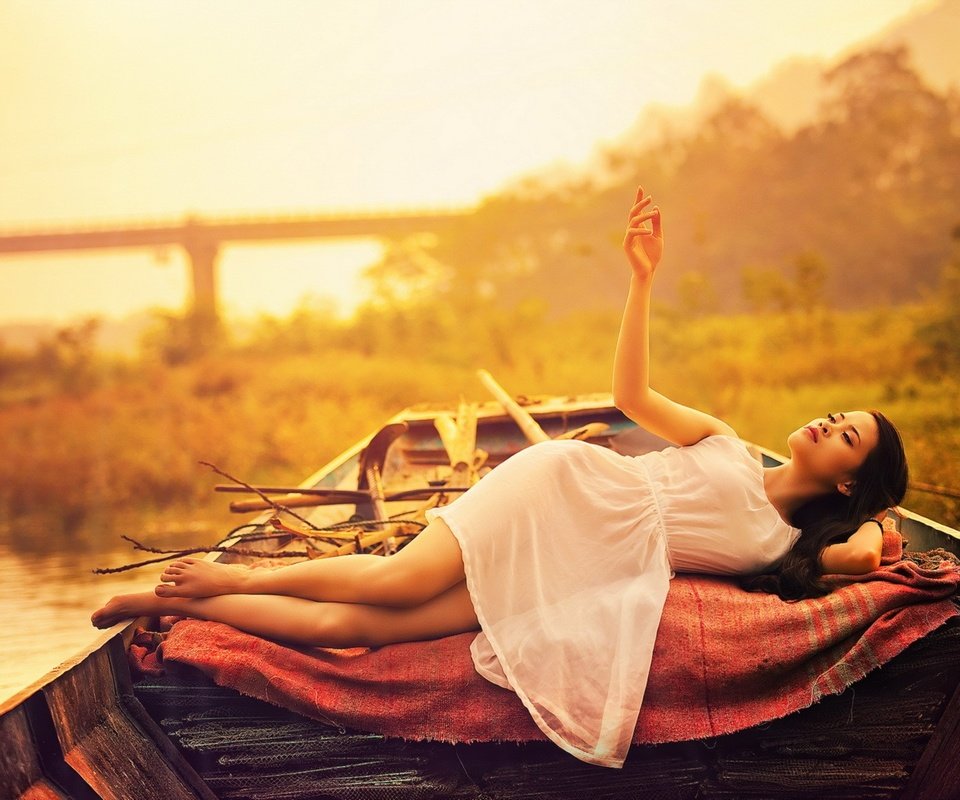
(871, 560)
(622, 404)
(630, 403)
(850, 561)
(860, 562)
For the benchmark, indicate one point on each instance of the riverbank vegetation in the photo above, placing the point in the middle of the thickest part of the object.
(95, 447)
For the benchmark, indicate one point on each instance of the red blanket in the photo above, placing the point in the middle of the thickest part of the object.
(725, 660)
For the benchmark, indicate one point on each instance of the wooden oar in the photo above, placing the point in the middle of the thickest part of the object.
(322, 491)
(530, 427)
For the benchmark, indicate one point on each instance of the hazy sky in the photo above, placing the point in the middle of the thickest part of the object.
(130, 110)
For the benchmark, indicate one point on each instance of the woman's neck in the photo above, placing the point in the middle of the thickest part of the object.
(787, 489)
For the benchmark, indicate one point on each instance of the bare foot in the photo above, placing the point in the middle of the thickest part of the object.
(127, 606)
(193, 577)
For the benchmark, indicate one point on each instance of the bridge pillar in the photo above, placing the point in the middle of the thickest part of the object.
(203, 273)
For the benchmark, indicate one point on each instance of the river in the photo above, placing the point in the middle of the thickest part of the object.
(46, 600)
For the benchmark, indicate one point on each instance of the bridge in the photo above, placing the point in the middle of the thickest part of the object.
(202, 239)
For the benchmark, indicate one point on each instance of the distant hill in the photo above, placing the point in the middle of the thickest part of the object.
(826, 183)
(932, 36)
(791, 94)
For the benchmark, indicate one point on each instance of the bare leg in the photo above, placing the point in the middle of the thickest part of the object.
(305, 622)
(426, 567)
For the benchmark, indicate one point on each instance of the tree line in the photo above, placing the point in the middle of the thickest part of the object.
(855, 209)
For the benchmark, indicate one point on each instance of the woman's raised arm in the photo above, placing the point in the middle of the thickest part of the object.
(631, 373)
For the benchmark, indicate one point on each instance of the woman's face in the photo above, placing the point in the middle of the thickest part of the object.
(832, 448)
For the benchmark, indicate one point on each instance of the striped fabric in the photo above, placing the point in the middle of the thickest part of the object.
(725, 660)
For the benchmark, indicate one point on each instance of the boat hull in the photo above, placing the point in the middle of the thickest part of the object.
(85, 730)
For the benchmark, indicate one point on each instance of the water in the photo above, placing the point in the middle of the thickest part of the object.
(45, 604)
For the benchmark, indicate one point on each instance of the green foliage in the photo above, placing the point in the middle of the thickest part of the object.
(697, 295)
(181, 338)
(941, 333)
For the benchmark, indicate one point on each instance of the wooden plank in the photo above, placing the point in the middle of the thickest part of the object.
(105, 746)
(937, 774)
(459, 439)
(21, 772)
(371, 465)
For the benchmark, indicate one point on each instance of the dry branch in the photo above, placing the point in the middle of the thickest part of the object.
(277, 507)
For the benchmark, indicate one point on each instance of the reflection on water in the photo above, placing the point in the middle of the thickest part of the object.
(46, 601)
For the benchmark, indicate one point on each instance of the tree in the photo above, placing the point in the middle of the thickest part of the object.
(765, 289)
(941, 333)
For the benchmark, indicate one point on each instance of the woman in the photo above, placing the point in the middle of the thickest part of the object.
(561, 557)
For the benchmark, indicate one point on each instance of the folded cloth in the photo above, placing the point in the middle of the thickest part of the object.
(725, 660)
(892, 550)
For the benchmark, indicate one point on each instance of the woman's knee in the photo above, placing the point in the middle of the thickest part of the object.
(394, 582)
(338, 625)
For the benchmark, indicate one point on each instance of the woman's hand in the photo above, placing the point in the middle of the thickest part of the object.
(643, 245)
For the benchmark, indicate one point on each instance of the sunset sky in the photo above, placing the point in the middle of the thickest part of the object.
(128, 111)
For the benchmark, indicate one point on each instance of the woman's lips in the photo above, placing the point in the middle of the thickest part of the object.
(813, 433)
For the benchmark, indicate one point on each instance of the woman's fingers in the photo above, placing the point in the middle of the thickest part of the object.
(640, 205)
(657, 222)
(638, 219)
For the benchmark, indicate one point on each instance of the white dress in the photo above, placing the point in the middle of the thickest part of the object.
(568, 549)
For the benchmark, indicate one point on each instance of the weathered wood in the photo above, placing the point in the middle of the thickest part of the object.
(937, 774)
(104, 745)
(372, 475)
(322, 492)
(459, 436)
(530, 427)
(371, 466)
(367, 540)
(459, 439)
(21, 772)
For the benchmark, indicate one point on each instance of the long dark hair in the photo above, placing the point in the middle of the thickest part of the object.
(880, 483)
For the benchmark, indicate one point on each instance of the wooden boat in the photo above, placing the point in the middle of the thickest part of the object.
(87, 730)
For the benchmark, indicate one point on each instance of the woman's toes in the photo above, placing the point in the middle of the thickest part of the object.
(162, 590)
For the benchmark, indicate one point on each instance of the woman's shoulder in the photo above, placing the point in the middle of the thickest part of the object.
(730, 449)
(724, 441)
